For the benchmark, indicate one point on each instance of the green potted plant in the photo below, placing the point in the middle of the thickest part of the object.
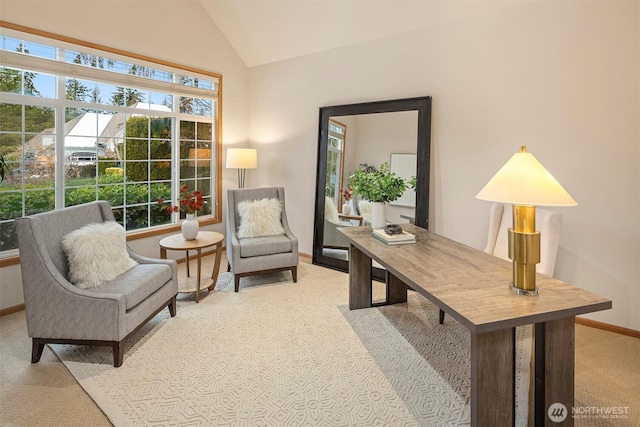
(378, 186)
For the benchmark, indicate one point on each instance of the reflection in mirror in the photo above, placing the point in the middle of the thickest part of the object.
(358, 135)
(404, 165)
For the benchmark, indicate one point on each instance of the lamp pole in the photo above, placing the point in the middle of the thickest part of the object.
(242, 159)
(241, 175)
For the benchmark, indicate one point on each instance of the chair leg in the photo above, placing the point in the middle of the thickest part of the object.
(236, 279)
(36, 350)
(228, 267)
(118, 353)
(294, 273)
(172, 306)
(441, 317)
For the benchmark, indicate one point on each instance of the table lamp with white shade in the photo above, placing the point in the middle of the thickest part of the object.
(524, 183)
(242, 159)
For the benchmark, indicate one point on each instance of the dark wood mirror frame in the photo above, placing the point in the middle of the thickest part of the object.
(423, 151)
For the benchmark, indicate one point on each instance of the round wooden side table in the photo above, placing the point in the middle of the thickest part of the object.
(205, 239)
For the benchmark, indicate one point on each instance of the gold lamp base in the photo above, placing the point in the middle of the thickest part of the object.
(524, 250)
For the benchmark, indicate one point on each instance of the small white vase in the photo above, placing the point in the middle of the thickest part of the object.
(190, 227)
(378, 215)
(346, 209)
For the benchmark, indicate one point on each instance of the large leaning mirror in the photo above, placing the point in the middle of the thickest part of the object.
(397, 132)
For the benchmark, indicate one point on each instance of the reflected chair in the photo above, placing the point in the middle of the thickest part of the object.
(331, 237)
(62, 313)
(362, 208)
(263, 254)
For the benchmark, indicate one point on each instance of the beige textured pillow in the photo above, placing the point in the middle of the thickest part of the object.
(96, 253)
(259, 218)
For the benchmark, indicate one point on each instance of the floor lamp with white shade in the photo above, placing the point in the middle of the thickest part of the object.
(242, 159)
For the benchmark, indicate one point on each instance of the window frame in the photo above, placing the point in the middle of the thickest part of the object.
(11, 257)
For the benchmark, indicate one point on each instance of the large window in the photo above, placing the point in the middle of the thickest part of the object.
(79, 124)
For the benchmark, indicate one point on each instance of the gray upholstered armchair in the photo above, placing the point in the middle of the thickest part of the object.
(257, 255)
(60, 312)
(331, 237)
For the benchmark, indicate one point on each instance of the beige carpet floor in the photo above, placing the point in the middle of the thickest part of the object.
(284, 354)
(607, 366)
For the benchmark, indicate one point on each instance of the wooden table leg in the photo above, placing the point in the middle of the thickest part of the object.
(216, 267)
(187, 261)
(199, 275)
(396, 289)
(360, 288)
(555, 372)
(492, 378)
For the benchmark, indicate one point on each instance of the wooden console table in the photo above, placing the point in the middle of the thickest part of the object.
(473, 288)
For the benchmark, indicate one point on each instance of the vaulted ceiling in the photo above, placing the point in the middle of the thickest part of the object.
(264, 31)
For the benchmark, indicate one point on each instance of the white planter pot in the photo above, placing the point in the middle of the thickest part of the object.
(190, 227)
(346, 209)
(378, 215)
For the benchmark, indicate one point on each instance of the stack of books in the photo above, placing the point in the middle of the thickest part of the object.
(394, 239)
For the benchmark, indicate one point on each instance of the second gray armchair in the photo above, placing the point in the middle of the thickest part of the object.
(249, 255)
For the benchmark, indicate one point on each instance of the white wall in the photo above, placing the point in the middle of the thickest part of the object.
(176, 31)
(558, 77)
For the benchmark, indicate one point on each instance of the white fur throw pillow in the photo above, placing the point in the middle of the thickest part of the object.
(330, 211)
(365, 209)
(260, 218)
(96, 253)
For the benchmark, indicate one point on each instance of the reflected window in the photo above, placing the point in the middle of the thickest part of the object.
(335, 159)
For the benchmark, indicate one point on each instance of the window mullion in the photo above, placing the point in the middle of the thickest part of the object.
(60, 157)
(175, 164)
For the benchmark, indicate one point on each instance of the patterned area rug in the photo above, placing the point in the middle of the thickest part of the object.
(283, 353)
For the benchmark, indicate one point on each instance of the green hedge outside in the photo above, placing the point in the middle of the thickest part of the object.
(109, 187)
